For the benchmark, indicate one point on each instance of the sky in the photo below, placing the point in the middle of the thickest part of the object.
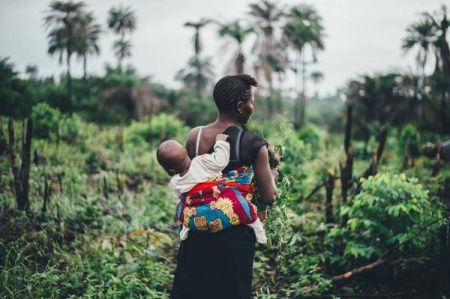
(362, 37)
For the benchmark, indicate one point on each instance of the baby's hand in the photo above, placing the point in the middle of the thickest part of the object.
(222, 137)
(262, 215)
(274, 158)
(275, 173)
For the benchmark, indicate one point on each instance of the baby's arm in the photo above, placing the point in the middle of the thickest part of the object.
(221, 155)
(173, 186)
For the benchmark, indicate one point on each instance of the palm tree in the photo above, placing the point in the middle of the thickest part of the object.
(441, 25)
(266, 15)
(420, 35)
(316, 77)
(441, 76)
(122, 49)
(190, 75)
(63, 21)
(303, 29)
(429, 34)
(197, 50)
(197, 26)
(32, 71)
(122, 20)
(88, 37)
(238, 33)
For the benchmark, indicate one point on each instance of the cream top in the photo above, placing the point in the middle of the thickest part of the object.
(203, 168)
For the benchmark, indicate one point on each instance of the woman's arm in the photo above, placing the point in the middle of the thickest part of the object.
(263, 175)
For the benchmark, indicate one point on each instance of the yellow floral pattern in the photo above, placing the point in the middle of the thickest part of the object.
(200, 223)
(188, 213)
(215, 225)
(216, 191)
(226, 206)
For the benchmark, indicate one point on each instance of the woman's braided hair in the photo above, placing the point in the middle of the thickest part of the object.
(231, 89)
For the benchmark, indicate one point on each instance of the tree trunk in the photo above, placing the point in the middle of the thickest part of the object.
(46, 196)
(69, 81)
(376, 154)
(444, 112)
(444, 239)
(21, 175)
(26, 162)
(329, 199)
(3, 142)
(303, 94)
(239, 63)
(14, 166)
(444, 257)
(347, 169)
(296, 113)
(84, 66)
(269, 79)
(298, 99)
(198, 83)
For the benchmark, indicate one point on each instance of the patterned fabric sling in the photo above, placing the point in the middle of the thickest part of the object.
(221, 203)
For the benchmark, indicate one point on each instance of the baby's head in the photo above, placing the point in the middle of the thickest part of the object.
(173, 157)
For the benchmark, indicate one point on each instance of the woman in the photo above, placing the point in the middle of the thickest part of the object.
(219, 265)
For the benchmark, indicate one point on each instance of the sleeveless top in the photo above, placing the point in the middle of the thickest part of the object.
(244, 146)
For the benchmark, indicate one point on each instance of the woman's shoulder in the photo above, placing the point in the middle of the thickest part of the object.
(191, 139)
(193, 133)
(253, 134)
(251, 143)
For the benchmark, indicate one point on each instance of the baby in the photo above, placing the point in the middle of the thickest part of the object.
(187, 173)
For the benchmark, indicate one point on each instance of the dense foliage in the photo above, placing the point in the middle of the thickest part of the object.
(364, 192)
(107, 228)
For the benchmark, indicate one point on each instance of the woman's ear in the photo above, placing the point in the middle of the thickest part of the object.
(240, 107)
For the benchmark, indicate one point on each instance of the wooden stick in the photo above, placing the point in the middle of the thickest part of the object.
(26, 159)
(371, 266)
(14, 166)
(329, 199)
(317, 188)
(359, 270)
(46, 195)
(346, 171)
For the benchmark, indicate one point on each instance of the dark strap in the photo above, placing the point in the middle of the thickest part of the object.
(238, 146)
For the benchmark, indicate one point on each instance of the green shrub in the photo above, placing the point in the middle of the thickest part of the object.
(46, 121)
(295, 153)
(311, 134)
(69, 128)
(387, 212)
(410, 141)
(196, 112)
(154, 130)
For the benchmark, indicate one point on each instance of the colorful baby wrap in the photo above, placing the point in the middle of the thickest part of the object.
(216, 205)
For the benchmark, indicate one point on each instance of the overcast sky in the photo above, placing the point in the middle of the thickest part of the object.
(362, 36)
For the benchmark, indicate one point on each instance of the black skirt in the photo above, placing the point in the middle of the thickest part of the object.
(215, 265)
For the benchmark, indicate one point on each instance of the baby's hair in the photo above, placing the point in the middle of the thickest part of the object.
(231, 89)
(165, 155)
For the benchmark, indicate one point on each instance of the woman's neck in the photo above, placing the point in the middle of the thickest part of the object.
(224, 121)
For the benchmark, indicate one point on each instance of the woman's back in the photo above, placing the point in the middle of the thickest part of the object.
(220, 264)
(244, 145)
